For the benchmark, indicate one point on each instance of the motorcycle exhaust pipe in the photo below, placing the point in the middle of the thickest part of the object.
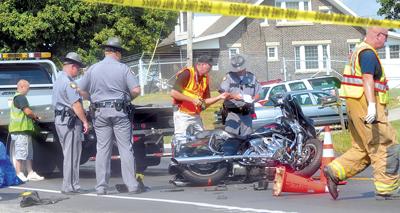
(215, 158)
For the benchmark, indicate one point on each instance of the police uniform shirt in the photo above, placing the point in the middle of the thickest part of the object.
(63, 94)
(246, 84)
(109, 79)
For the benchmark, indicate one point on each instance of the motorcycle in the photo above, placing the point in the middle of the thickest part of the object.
(291, 141)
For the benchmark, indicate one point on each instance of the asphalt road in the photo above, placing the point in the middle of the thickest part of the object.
(356, 196)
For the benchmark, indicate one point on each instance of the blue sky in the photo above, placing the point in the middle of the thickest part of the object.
(363, 8)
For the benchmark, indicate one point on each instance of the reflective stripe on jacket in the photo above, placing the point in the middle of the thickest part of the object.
(195, 88)
(352, 83)
(19, 121)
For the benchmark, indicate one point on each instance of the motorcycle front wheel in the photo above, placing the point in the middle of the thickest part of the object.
(311, 158)
(205, 174)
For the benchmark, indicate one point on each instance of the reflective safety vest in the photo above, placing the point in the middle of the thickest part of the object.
(195, 88)
(352, 83)
(19, 121)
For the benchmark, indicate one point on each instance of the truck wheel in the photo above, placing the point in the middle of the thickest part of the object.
(44, 157)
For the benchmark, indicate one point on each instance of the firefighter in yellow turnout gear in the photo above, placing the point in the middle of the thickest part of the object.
(374, 142)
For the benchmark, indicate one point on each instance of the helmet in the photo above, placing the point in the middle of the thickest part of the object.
(73, 58)
(114, 43)
(237, 62)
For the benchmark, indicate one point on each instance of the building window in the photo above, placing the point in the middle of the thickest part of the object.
(325, 9)
(297, 58)
(352, 47)
(304, 5)
(311, 53)
(294, 4)
(233, 51)
(325, 55)
(272, 53)
(394, 51)
(312, 57)
(382, 53)
(183, 22)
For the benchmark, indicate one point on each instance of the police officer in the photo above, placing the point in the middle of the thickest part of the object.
(244, 89)
(68, 107)
(111, 86)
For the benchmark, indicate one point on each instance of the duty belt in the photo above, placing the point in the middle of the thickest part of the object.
(239, 111)
(109, 104)
(61, 112)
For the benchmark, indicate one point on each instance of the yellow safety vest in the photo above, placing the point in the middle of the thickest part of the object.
(352, 84)
(19, 121)
(195, 88)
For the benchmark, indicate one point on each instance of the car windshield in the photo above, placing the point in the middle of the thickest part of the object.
(264, 92)
(10, 74)
(325, 83)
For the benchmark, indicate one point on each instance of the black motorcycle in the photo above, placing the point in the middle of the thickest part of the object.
(290, 141)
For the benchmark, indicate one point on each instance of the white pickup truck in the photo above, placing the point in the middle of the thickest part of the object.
(151, 122)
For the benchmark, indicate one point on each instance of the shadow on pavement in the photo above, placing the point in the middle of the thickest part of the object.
(363, 195)
(8, 196)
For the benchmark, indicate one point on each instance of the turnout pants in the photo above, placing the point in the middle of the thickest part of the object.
(109, 129)
(71, 144)
(374, 144)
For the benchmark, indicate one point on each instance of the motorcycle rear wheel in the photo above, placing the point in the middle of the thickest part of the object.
(313, 152)
(205, 174)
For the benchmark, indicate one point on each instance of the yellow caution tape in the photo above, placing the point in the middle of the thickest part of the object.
(251, 11)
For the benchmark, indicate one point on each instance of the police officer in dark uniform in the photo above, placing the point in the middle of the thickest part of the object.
(69, 120)
(112, 86)
(244, 89)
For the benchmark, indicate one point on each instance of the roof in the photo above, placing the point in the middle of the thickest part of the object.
(226, 23)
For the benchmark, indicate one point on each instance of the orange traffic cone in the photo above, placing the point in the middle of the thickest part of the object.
(287, 182)
(327, 153)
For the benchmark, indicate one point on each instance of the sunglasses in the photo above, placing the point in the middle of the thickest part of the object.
(384, 34)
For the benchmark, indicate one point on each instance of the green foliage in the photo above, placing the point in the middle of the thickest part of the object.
(390, 9)
(342, 139)
(60, 26)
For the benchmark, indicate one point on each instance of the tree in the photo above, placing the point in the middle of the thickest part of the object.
(390, 9)
(60, 26)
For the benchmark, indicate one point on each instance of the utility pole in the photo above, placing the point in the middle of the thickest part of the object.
(189, 45)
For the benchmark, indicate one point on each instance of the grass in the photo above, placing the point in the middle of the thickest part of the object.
(342, 141)
(394, 101)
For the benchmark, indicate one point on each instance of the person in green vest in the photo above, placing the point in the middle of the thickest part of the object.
(21, 128)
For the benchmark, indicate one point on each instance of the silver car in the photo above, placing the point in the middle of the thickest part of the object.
(311, 102)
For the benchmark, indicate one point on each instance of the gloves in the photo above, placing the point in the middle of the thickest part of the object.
(371, 114)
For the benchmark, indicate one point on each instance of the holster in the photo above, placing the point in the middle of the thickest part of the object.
(129, 109)
(71, 121)
(224, 114)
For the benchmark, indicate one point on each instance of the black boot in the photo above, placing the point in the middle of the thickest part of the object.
(332, 182)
